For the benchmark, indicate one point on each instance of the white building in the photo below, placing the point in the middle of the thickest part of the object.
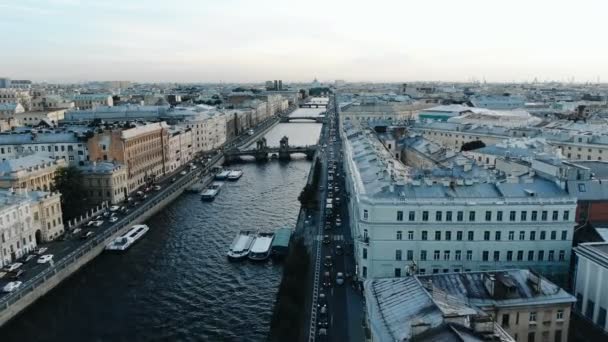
(181, 149)
(17, 227)
(92, 101)
(56, 145)
(454, 220)
(591, 282)
(498, 101)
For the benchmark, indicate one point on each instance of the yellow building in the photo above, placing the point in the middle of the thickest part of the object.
(30, 172)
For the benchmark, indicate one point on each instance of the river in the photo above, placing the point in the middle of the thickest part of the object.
(176, 283)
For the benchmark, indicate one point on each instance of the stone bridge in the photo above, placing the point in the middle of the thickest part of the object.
(318, 119)
(263, 153)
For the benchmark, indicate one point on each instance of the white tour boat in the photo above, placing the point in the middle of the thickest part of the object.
(260, 250)
(222, 175)
(235, 175)
(127, 239)
(239, 249)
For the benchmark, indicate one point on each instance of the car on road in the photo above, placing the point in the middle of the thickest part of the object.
(41, 250)
(157, 187)
(17, 274)
(87, 235)
(114, 208)
(113, 219)
(90, 223)
(183, 173)
(76, 231)
(98, 223)
(28, 258)
(326, 239)
(328, 262)
(322, 300)
(12, 286)
(340, 278)
(339, 250)
(45, 258)
(338, 222)
(173, 180)
(13, 267)
(323, 322)
(326, 279)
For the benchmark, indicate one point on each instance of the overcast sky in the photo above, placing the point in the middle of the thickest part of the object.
(255, 40)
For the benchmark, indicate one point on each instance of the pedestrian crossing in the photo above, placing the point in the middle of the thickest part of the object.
(336, 237)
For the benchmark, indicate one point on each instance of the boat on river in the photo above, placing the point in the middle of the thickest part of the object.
(209, 194)
(260, 250)
(234, 175)
(127, 239)
(223, 175)
(240, 246)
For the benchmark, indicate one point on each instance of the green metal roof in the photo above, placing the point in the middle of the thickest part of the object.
(281, 237)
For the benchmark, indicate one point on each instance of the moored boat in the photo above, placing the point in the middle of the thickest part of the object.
(240, 246)
(222, 175)
(260, 250)
(235, 175)
(127, 239)
(209, 194)
(280, 243)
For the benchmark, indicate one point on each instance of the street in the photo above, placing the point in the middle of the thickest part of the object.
(336, 311)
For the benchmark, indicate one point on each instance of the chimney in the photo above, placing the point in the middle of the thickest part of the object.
(483, 325)
(489, 282)
(419, 327)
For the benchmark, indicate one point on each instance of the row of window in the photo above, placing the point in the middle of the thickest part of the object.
(485, 255)
(489, 216)
(43, 148)
(487, 235)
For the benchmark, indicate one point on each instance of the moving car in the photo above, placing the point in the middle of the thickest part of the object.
(339, 250)
(326, 279)
(45, 258)
(340, 278)
(183, 173)
(328, 262)
(157, 187)
(326, 239)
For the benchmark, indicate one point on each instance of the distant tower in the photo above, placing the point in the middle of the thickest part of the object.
(403, 88)
(280, 85)
(276, 85)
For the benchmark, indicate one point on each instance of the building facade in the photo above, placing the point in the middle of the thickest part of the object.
(143, 149)
(590, 283)
(92, 101)
(105, 182)
(30, 172)
(462, 219)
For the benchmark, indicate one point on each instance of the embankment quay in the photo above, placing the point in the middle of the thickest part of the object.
(73, 253)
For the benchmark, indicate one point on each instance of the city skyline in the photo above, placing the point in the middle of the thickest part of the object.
(246, 42)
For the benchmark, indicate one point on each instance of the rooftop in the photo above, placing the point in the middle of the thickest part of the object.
(23, 163)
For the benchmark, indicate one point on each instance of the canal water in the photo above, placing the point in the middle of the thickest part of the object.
(176, 283)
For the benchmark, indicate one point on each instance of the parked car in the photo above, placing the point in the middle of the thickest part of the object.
(87, 235)
(113, 219)
(183, 173)
(17, 274)
(13, 267)
(157, 187)
(41, 250)
(76, 231)
(45, 258)
(98, 223)
(114, 208)
(173, 180)
(12, 286)
(28, 258)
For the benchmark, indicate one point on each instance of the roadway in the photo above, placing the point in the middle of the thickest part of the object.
(331, 234)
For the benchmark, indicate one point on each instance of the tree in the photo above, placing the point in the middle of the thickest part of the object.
(472, 145)
(69, 182)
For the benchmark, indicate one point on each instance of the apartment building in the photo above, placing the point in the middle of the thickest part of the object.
(580, 142)
(70, 146)
(30, 172)
(402, 309)
(142, 148)
(18, 228)
(590, 283)
(104, 181)
(92, 101)
(50, 118)
(181, 149)
(450, 219)
(46, 208)
(381, 110)
(10, 109)
(17, 96)
(526, 305)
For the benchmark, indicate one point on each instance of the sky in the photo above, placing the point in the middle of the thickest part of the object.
(257, 40)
